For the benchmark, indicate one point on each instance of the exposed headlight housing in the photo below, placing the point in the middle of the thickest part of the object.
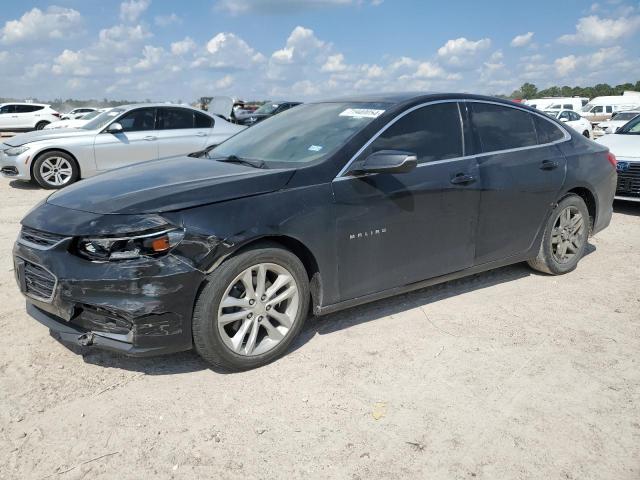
(15, 151)
(103, 249)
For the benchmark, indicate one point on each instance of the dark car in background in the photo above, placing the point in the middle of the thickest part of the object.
(267, 110)
(323, 207)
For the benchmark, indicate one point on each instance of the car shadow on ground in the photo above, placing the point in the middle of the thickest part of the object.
(22, 185)
(187, 362)
(627, 208)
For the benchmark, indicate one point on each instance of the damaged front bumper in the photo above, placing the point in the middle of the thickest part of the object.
(137, 307)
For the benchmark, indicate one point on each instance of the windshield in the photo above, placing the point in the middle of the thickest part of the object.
(267, 108)
(91, 115)
(302, 134)
(631, 128)
(103, 119)
(624, 116)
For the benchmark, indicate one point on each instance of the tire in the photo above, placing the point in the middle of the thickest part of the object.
(46, 175)
(41, 125)
(586, 134)
(565, 230)
(228, 344)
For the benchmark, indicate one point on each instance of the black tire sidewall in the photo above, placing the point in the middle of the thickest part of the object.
(553, 265)
(41, 158)
(207, 338)
(41, 125)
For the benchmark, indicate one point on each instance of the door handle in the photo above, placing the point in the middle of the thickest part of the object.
(548, 165)
(201, 134)
(150, 138)
(463, 179)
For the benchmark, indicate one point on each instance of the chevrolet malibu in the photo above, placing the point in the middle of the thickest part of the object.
(323, 207)
(121, 136)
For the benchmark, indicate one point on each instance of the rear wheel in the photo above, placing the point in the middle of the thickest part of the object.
(586, 134)
(251, 308)
(565, 237)
(53, 170)
(41, 125)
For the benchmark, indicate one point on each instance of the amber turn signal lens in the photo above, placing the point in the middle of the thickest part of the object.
(160, 244)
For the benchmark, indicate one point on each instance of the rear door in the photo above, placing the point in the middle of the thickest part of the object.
(181, 131)
(397, 229)
(138, 142)
(522, 172)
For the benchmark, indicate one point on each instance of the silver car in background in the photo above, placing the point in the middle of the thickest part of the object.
(121, 136)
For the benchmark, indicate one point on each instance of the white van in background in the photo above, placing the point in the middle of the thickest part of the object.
(558, 103)
(601, 108)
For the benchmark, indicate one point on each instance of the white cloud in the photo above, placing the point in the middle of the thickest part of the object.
(301, 43)
(225, 82)
(228, 51)
(151, 57)
(131, 10)
(335, 63)
(183, 46)
(566, 65)
(166, 20)
(594, 30)
(462, 46)
(72, 63)
(240, 7)
(54, 23)
(522, 40)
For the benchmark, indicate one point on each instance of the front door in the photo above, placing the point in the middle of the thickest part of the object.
(8, 117)
(522, 171)
(397, 229)
(178, 132)
(138, 142)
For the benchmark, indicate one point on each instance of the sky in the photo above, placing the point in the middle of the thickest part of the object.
(167, 50)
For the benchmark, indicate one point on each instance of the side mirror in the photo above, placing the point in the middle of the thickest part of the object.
(115, 127)
(386, 161)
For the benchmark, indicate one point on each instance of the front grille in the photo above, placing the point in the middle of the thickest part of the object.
(38, 238)
(38, 282)
(629, 180)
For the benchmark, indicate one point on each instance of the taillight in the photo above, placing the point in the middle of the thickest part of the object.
(56, 114)
(612, 159)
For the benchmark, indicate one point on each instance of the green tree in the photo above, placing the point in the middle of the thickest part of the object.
(528, 90)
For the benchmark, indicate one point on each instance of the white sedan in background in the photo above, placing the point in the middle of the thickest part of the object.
(76, 123)
(625, 145)
(122, 136)
(574, 120)
(618, 119)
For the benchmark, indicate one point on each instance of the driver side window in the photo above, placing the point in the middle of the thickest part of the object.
(138, 120)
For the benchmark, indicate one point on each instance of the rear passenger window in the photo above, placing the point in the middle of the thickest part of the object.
(548, 132)
(568, 106)
(176, 118)
(432, 132)
(502, 128)
(609, 109)
(203, 121)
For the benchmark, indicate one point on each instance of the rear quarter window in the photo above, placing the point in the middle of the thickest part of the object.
(548, 132)
(502, 128)
(203, 121)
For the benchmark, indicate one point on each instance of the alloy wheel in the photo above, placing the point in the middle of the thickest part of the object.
(258, 309)
(56, 171)
(567, 235)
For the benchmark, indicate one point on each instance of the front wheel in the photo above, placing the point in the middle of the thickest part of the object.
(565, 237)
(251, 308)
(54, 170)
(586, 134)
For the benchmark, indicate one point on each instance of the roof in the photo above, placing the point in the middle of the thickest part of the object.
(410, 97)
(26, 103)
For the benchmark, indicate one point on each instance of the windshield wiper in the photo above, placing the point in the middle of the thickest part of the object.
(243, 161)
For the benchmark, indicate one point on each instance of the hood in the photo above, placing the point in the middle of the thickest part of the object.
(222, 106)
(41, 135)
(622, 146)
(167, 185)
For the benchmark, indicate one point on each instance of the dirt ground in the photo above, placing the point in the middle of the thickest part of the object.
(504, 375)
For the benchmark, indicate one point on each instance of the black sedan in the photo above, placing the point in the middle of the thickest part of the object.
(265, 111)
(326, 206)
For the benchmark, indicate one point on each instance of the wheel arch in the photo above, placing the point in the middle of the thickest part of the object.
(589, 199)
(53, 149)
(300, 250)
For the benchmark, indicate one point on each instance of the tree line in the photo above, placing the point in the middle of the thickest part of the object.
(529, 90)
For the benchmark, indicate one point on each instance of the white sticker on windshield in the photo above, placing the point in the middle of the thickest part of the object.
(362, 113)
(315, 148)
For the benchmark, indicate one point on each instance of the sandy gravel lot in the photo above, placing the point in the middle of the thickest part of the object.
(505, 375)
